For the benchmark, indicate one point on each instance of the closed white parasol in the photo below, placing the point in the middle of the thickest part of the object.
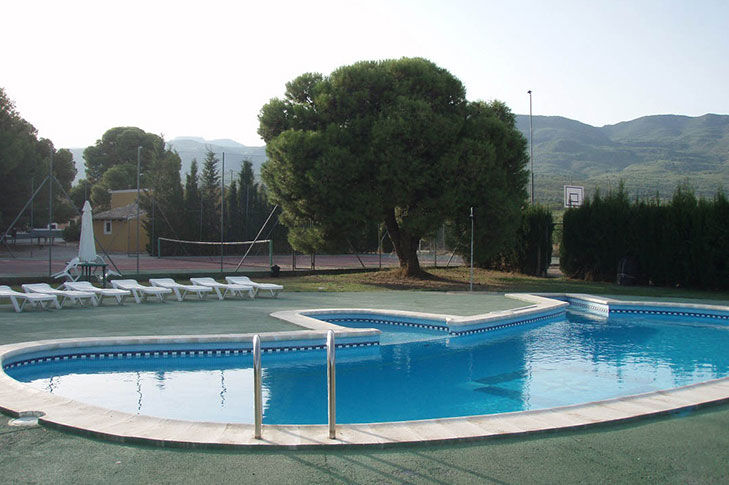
(86, 244)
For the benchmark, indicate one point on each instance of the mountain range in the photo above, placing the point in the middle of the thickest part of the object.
(190, 148)
(651, 155)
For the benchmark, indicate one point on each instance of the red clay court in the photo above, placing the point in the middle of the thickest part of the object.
(22, 261)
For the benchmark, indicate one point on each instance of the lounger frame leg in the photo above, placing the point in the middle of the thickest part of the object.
(18, 307)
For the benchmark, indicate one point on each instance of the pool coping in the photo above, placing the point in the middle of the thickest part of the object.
(18, 399)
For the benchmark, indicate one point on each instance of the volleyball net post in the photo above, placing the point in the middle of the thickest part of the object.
(260, 231)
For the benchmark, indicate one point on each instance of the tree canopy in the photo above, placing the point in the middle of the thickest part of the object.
(24, 163)
(111, 163)
(390, 141)
(118, 146)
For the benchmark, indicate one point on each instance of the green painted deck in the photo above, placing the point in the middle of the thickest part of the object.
(692, 447)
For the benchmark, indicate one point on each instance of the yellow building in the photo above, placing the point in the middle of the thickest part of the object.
(116, 229)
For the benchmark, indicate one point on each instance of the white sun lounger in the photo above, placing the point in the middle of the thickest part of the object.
(70, 272)
(37, 300)
(272, 288)
(235, 290)
(180, 290)
(100, 293)
(74, 296)
(141, 292)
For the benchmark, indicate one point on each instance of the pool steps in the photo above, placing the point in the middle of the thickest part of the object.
(603, 306)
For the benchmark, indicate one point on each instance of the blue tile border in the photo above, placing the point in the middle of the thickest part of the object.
(382, 321)
(180, 353)
(539, 318)
(671, 313)
(538, 309)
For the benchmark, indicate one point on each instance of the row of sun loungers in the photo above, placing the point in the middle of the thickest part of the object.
(82, 293)
(36, 300)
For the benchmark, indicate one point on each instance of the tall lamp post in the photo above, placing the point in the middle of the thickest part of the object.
(531, 146)
(139, 159)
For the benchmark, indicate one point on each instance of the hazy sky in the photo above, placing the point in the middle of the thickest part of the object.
(205, 68)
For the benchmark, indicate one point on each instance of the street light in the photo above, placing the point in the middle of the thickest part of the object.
(531, 146)
(139, 159)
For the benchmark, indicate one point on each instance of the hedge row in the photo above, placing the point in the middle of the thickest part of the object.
(682, 243)
(529, 250)
(533, 251)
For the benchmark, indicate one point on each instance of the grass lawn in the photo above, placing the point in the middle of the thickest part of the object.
(691, 447)
(457, 279)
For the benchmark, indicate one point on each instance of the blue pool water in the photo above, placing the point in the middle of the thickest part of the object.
(414, 374)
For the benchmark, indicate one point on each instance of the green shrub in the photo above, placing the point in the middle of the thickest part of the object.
(72, 232)
(683, 243)
(533, 251)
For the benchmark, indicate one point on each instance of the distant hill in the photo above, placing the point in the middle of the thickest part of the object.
(189, 148)
(651, 155)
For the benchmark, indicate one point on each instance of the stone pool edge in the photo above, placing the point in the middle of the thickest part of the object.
(17, 399)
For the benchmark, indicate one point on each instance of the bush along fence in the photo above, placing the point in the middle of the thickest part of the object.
(533, 250)
(529, 248)
(681, 243)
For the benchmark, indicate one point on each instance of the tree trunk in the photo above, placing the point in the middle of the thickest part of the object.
(406, 246)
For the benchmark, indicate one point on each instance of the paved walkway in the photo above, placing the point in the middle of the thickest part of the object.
(692, 448)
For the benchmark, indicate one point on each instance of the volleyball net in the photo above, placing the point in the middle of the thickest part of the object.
(256, 253)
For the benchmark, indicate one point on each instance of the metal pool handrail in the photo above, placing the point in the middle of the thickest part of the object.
(257, 398)
(331, 386)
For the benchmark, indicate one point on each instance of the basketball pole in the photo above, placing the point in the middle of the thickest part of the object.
(531, 146)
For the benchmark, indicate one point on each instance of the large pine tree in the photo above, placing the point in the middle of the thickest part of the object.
(392, 141)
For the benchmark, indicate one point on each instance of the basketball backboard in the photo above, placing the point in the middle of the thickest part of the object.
(573, 195)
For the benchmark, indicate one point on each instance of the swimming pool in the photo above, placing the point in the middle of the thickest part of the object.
(415, 373)
(440, 369)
